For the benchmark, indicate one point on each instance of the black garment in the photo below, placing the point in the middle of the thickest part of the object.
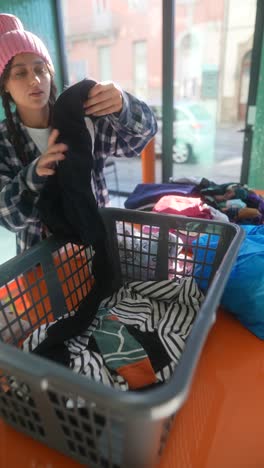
(67, 206)
(208, 188)
(153, 346)
(53, 346)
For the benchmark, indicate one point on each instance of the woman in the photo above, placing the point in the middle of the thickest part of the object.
(120, 123)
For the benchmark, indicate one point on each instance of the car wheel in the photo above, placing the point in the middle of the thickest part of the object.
(181, 152)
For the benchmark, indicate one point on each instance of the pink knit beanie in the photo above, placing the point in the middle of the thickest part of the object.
(15, 40)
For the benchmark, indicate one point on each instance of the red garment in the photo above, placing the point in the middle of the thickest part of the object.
(184, 206)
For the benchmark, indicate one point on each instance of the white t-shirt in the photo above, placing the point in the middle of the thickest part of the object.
(40, 137)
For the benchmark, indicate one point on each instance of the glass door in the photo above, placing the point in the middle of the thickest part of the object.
(251, 170)
(213, 53)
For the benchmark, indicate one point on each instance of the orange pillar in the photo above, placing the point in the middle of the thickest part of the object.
(148, 163)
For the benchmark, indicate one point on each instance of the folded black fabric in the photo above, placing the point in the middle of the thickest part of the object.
(67, 206)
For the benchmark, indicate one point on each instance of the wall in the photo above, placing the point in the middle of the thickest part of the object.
(38, 16)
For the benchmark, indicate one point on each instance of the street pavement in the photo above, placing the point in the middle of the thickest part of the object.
(224, 167)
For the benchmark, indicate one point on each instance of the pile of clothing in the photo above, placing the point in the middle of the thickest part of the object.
(230, 202)
(200, 198)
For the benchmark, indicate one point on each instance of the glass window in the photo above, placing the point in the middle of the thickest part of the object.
(140, 69)
(137, 4)
(100, 6)
(105, 63)
(179, 115)
(213, 41)
(8, 245)
(199, 112)
(78, 69)
(119, 40)
(157, 111)
(212, 59)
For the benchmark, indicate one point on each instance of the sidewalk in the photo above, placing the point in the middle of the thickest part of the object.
(130, 172)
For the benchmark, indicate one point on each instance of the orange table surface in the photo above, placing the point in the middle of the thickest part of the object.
(221, 425)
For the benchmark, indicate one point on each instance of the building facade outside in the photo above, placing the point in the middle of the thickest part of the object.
(120, 40)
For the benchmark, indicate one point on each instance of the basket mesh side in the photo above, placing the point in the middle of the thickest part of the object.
(137, 250)
(18, 408)
(92, 435)
(142, 249)
(74, 269)
(24, 301)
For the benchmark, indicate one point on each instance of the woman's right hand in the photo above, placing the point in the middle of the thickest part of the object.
(47, 162)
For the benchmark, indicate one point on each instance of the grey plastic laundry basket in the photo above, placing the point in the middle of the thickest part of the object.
(94, 424)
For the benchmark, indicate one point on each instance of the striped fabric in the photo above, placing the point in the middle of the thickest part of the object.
(163, 309)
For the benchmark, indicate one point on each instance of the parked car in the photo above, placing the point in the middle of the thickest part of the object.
(193, 131)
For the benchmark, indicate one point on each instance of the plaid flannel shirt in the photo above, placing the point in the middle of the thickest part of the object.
(125, 134)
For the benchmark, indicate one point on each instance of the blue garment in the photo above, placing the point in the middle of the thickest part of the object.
(150, 193)
(244, 292)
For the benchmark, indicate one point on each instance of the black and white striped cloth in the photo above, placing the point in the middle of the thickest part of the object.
(167, 308)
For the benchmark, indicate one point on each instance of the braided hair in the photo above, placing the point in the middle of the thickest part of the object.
(13, 130)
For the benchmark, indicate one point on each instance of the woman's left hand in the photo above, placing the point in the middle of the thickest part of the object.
(104, 98)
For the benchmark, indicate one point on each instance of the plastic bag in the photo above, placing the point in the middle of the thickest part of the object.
(244, 292)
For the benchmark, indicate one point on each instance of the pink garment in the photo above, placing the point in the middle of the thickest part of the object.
(183, 206)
